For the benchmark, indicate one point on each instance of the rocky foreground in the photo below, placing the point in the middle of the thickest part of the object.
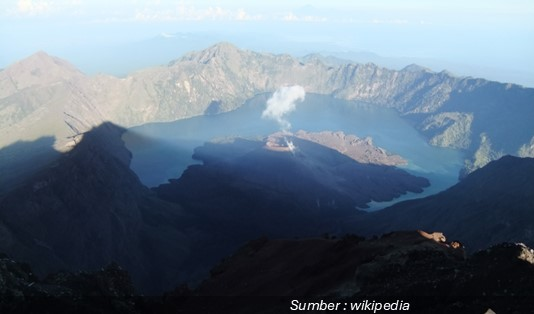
(108, 290)
(432, 275)
(399, 263)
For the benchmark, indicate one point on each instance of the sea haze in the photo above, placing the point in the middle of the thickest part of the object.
(162, 151)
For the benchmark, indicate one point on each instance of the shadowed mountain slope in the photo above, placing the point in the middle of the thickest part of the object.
(262, 187)
(270, 276)
(107, 290)
(493, 204)
(89, 209)
(23, 159)
(399, 263)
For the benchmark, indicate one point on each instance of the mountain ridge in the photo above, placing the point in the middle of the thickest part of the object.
(93, 196)
(447, 111)
(37, 69)
(491, 205)
(88, 209)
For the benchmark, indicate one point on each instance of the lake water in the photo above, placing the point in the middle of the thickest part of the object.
(162, 151)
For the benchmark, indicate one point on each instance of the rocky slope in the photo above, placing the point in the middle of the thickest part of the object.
(282, 185)
(88, 209)
(44, 103)
(266, 276)
(108, 290)
(487, 119)
(46, 96)
(360, 149)
(400, 265)
(492, 205)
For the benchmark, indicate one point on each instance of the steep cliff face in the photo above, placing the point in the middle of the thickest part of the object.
(493, 204)
(449, 111)
(89, 209)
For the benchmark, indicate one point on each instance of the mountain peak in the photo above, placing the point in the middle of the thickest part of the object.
(224, 46)
(43, 60)
(415, 68)
(222, 50)
(40, 54)
(36, 70)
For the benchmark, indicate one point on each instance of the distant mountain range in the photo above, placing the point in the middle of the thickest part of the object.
(43, 95)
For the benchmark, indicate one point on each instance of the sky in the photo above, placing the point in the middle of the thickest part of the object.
(497, 36)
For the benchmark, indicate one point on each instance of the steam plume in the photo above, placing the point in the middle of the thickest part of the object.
(282, 103)
(290, 145)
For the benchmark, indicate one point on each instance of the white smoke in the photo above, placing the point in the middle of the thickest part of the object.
(282, 103)
(290, 145)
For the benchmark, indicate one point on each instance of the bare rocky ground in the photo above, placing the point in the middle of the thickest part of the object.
(265, 275)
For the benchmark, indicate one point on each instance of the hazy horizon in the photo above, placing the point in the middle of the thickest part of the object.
(490, 39)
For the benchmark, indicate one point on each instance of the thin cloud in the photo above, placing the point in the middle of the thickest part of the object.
(148, 11)
(47, 8)
(242, 15)
(291, 17)
(190, 13)
(33, 8)
(393, 21)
